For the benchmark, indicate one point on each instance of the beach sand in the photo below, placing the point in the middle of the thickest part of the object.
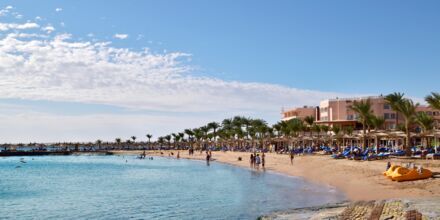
(359, 180)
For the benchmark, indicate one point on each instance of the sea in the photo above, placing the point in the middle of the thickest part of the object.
(125, 187)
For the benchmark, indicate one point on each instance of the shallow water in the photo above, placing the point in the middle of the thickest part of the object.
(118, 187)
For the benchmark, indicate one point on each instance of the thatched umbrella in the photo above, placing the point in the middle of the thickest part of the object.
(377, 135)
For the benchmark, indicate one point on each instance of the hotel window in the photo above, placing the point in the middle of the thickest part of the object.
(350, 117)
(386, 116)
(391, 126)
(393, 115)
(386, 106)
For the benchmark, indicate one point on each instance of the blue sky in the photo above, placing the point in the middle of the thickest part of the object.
(307, 50)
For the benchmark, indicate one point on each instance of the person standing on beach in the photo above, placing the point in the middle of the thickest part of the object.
(208, 157)
(257, 161)
(251, 160)
(291, 157)
(178, 154)
(263, 159)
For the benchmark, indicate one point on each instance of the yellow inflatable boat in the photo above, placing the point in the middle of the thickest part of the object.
(390, 170)
(398, 173)
(404, 174)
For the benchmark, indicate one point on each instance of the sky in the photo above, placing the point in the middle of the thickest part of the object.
(87, 70)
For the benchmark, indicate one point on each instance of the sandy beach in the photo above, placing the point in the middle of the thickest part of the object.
(359, 180)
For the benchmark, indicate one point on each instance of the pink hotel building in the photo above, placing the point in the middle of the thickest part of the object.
(337, 112)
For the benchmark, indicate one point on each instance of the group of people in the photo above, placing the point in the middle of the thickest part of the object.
(255, 160)
(143, 156)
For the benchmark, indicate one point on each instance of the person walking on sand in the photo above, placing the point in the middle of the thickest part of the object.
(251, 160)
(291, 157)
(263, 159)
(178, 155)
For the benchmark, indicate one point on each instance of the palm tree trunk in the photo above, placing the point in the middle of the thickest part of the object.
(364, 140)
(408, 140)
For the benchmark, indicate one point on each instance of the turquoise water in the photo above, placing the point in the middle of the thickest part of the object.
(117, 187)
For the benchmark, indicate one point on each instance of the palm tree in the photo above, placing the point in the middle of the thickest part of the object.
(433, 100)
(190, 134)
(161, 141)
(309, 120)
(149, 136)
(134, 139)
(198, 135)
(377, 122)
(363, 109)
(128, 141)
(99, 142)
(214, 126)
(336, 130)
(316, 128)
(118, 142)
(168, 138)
(394, 100)
(408, 109)
(261, 128)
(426, 122)
(182, 136)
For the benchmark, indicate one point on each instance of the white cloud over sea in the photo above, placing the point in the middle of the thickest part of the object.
(60, 68)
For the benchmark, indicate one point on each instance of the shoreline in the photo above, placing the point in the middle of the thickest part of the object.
(359, 181)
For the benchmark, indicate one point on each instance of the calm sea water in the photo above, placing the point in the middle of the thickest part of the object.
(117, 187)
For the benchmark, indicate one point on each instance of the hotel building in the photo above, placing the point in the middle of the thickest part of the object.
(300, 113)
(338, 112)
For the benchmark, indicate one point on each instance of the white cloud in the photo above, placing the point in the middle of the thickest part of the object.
(11, 26)
(62, 24)
(59, 70)
(26, 35)
(121, 36)
(49, 29)
(38, 18)
(5, 11)
(58, 9)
